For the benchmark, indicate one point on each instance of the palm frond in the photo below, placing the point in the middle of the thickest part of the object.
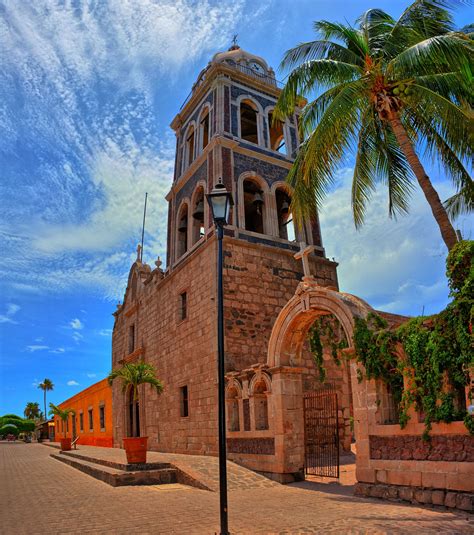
(351, 37)
(453, 123)
(311, 76)
(333, 137)
(318, 50)
(376, 24)
(451, 52)
(461, 202)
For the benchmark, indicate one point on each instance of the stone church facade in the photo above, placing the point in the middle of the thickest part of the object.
(168, 316)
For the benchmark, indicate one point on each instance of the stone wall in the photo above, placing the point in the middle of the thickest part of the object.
(183, 352)
(397, 463)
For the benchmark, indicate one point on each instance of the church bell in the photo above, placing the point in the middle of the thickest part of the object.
(199, 211)
(183, 225)
(285, 208)
(258, 201)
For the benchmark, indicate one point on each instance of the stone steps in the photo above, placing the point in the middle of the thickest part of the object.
(117, 477)
(117, 465)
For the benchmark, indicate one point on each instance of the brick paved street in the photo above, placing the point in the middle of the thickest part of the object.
(41, 495)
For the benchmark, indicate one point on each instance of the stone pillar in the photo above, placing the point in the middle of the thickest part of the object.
(287, 397)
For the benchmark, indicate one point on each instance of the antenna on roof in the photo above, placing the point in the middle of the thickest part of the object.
(143, 227)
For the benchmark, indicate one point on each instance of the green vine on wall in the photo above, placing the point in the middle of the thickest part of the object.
(326, 330)
(439, 350)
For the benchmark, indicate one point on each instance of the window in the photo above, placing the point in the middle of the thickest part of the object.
(277, 137)
(81, 422)
(233, 421)
(131, 339)
(183, 306)
(182, 245)
(254, 207)
(184, 401)
(248, 122)
(190, 147)
(102, 417)
(91, 420)
(286, 229)
(198, 216)
(204, 125)
(67, 425)
(260, 406)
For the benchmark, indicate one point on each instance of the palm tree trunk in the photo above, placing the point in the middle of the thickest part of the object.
(45, 417)
(447, 231)
(134, 401)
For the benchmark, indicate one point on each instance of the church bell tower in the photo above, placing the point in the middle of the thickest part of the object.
(225, 129)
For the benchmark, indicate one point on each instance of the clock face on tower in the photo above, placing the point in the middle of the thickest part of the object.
(256, 67)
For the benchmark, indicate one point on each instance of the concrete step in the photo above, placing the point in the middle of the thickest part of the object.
(117, 465)
(117, 477)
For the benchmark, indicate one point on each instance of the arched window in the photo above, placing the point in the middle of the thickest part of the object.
(233, 423)
(286, 229)
(254, 206)
(182, 232)
(198, 228)
(190, 142)
(277, 136)
(260, 404)
(248, 121)
(204, 129)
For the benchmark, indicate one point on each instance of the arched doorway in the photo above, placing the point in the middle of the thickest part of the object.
(286, 354)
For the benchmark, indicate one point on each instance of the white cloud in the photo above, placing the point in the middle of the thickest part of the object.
(12, 309)
(58, 350)
(39, 339)
(77, 336)
(396, 265)
(105, 332)
(91, 375)
(33, 348)
(76, 324)
(72, 383)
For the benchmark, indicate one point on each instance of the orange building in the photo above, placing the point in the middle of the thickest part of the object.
(92, 418)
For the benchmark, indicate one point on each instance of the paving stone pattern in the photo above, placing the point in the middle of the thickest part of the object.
(41, 495)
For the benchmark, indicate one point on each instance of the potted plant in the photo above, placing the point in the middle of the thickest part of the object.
(131, 376)
(63, 414)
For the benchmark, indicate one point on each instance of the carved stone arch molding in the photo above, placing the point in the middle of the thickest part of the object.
(295, 319)
(258, 378)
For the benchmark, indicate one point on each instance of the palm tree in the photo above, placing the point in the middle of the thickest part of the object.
(32, 410)
(387, 89)
(63, 414)
(46, 385)
(131, 376)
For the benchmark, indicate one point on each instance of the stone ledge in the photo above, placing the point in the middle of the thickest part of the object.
(462, 501)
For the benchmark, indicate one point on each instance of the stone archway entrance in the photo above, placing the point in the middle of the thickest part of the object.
(286, 362)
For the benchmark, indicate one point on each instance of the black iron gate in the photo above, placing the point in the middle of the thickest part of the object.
(321, 433)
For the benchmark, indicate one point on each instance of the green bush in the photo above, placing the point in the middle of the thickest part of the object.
(9, 429)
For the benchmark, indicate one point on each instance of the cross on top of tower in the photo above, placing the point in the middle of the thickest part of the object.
(234, 46)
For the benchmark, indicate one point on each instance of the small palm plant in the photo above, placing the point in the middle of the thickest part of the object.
(133, 375)
(388, 90)
(63, 414)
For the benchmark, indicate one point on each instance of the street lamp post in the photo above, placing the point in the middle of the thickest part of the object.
(220, 201)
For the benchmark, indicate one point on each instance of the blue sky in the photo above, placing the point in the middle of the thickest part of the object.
(87, 91)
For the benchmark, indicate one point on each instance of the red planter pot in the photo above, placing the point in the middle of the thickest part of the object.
(65, 444)
(135, 448)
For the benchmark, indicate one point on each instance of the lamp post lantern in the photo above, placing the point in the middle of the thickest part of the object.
(220, 202)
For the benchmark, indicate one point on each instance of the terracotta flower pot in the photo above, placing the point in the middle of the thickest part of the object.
(135, 448)
(65, 444)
